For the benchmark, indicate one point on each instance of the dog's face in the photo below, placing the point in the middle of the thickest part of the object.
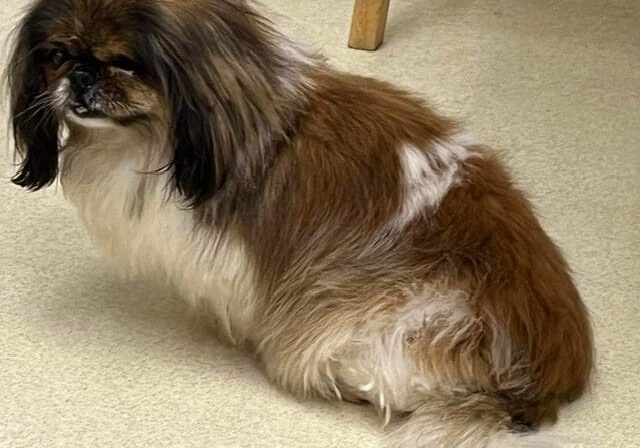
(92, 62)
(94, 77)
(200, 72)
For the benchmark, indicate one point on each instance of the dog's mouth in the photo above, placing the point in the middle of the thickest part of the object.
(86, 112)
(87, 116)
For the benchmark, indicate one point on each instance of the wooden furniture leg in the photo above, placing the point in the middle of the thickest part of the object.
(368, 25)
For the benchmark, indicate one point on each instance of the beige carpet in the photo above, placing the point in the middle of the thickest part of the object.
(89, 360)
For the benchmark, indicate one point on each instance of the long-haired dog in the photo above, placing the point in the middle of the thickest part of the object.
(337, 226)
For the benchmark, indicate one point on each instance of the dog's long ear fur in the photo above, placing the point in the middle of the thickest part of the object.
(35, 125)
(201, 160)
(223, 83)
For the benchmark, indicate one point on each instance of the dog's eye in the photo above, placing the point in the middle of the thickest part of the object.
(125, 63)
(57, 57)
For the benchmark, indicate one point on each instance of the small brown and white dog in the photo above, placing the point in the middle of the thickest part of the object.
(340, 228)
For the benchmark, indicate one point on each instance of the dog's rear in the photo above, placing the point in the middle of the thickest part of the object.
(525, 348)
(451, 304)
(528, 348)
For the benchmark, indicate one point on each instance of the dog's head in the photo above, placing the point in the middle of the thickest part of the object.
(204, 71)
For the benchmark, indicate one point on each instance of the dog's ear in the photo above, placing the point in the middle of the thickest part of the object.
(215, 78)
(35, 124)
(221, 79)
(200, 157)
(202, 150)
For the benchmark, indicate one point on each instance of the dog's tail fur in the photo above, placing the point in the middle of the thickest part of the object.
(469, 421)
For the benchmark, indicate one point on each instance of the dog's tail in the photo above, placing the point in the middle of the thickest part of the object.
(469, 421)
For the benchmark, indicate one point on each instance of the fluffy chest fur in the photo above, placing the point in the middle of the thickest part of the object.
(146, 232)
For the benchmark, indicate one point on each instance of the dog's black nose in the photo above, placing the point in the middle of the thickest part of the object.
(82, 79)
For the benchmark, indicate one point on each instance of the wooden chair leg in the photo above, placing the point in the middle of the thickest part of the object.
(369, 23)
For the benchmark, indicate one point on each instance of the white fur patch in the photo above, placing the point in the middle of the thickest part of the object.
(429, 174)
(378, 362)
(146, 232)
(61, 94)
(295, 78)
(436, 430)
(373, 363)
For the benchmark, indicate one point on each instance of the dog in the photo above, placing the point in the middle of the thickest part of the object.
(352, 237)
